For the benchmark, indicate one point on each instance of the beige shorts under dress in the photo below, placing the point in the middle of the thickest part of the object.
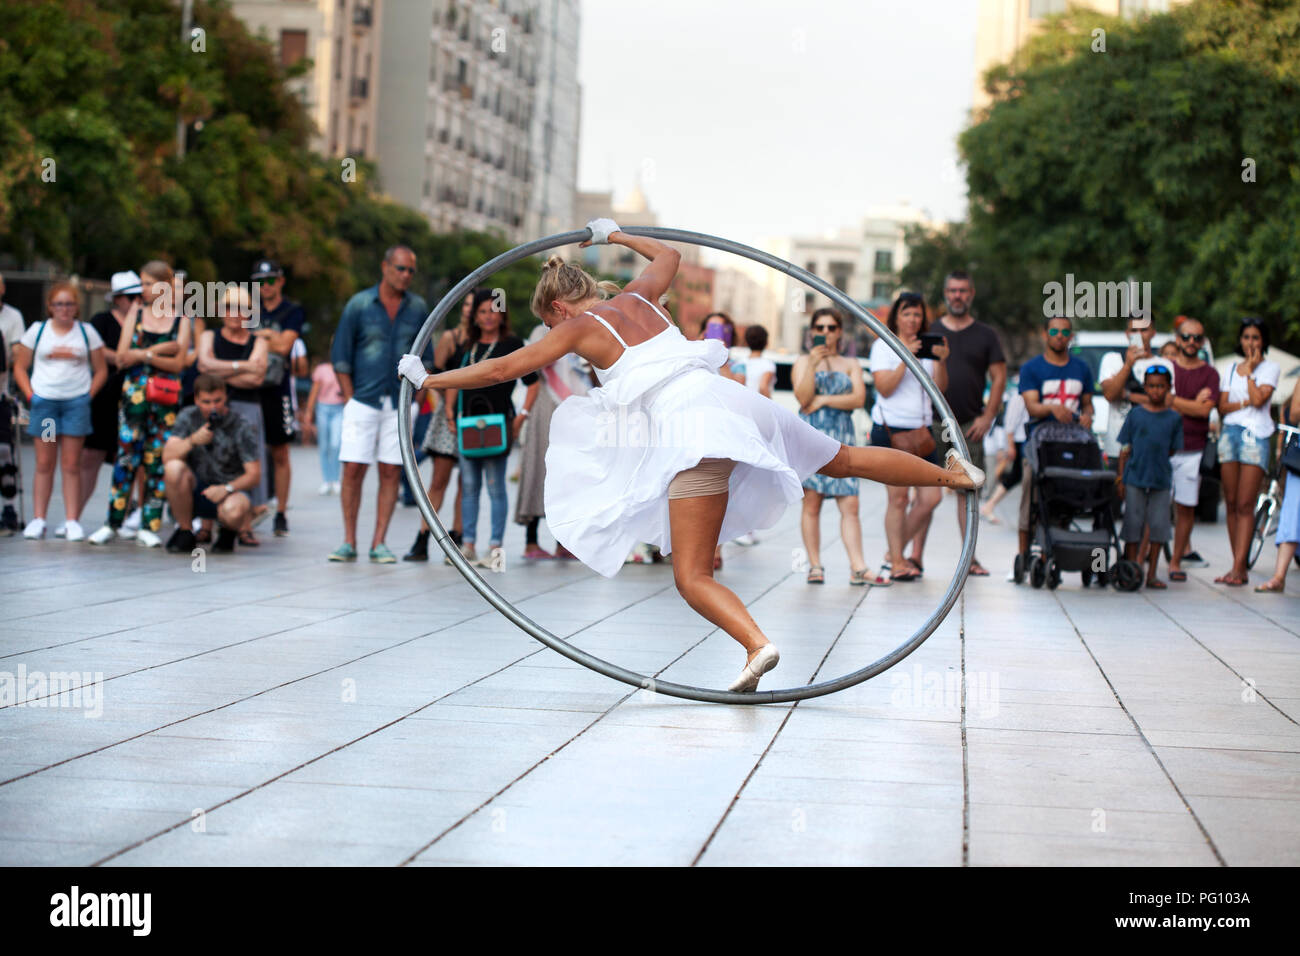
(709, 477)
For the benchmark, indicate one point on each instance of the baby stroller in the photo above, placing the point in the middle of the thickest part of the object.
(1072, 489)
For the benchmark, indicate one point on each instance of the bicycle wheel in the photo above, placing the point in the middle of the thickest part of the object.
(1263, 516)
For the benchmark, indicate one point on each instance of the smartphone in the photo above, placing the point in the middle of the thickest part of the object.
(213, 420)
(819, 340)
(928, 341)
(716, 330)
(1135, 340)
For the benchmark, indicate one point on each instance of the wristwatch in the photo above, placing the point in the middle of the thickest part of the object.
(523, 412)
(236, 366)
(229, 490)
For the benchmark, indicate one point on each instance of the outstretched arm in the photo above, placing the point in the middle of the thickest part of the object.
(560, 341)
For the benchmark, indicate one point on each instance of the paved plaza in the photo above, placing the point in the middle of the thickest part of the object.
(272, 708)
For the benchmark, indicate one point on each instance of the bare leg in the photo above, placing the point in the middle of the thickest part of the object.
(70, 455)
(179, 483)
(47, 459)
(924, 501)
(851, 531)
(283, 474)
(1184, 516)
(1285, 554)
(458, 522)
(390, 479)
(92, 459)
(895, 522)
(1248, 485)
(889, 466)
(695, 524)
(1153, 562)
(354, 476)
(811, 526)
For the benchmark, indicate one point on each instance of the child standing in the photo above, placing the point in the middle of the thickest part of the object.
(1146, 477)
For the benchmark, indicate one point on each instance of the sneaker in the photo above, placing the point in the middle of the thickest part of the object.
(747, 540)
(336, 488)
(73, 531)
(130, 526)
(181, 542)
(325, 489)
(381, 555)
(1193, 560)
(35, 529)
(344, 552)
(225, 542)
(147, 539)
(281, 525)
(103, 536)
(61, 530)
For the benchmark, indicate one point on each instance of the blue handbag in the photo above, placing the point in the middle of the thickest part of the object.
(480, 436)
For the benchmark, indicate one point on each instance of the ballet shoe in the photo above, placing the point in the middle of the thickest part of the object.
(960, 466)
(766, 659)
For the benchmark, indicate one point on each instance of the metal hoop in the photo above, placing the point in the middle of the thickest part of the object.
(535, 630)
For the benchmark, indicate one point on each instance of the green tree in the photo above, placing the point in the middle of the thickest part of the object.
(1172, 157)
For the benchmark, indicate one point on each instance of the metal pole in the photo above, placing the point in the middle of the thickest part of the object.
(535, 630)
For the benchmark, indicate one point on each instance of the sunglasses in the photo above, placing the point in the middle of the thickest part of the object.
(1064, 333)
(825, 328)
(1189, 337)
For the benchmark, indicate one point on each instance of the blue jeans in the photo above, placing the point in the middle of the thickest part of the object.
(329, 434)
(474, 473)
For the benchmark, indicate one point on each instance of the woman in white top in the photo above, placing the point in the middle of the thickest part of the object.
(902, 406)
(666, 450)
(59, 365)
(1244, 407)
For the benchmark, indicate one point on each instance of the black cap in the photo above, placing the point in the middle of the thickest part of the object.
(267, 269)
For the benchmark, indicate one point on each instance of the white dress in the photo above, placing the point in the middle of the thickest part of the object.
(661, 408)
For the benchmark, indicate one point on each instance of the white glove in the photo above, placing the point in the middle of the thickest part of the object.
(600, 230)
(411, 368)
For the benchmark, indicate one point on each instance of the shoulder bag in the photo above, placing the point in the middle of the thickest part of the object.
(480, 436)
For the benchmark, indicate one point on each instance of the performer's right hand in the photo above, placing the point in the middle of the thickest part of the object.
(601, 230)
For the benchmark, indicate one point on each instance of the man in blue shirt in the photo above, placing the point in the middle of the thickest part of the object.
(1146, 476)
(376, 329)
(1056, 385)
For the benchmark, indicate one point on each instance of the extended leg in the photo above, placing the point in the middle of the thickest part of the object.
(889, 466)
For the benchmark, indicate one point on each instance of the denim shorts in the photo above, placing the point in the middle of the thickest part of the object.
(1237, 443)
(69, 417)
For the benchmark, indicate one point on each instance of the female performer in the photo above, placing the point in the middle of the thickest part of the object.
(667, 450)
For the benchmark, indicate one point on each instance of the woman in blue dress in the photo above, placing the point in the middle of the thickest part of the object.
(829, 387)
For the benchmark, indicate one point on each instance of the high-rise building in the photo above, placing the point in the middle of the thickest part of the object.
(480, 122)
(1004, 26)
(341, 38)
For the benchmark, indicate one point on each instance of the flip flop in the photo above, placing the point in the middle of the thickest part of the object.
(1267, 588)
(907, 574)
(978, 570)
(1229, 580)
(1177, 575)
(1157, 585)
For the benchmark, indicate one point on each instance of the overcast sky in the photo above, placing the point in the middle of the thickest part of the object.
(757, 118)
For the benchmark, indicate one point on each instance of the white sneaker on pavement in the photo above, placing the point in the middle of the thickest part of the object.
(325, 489)
(747, 540)
(147, 539)
(61, 530)
(35, 529)
(103, 536)
(73, 531)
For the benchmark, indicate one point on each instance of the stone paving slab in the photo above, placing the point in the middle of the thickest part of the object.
(322, 714)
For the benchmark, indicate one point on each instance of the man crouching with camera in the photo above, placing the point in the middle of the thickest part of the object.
(209, 462)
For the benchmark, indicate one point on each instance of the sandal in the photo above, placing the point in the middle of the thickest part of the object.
(816, 574)
(537, 553)
(907, 574)
(1177, 575)
(920, 568)
(1230, 580)
(249, 540)
(886, 576)
(1156, 584)
(860, 578)
(977, 570)
(1269, 588)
